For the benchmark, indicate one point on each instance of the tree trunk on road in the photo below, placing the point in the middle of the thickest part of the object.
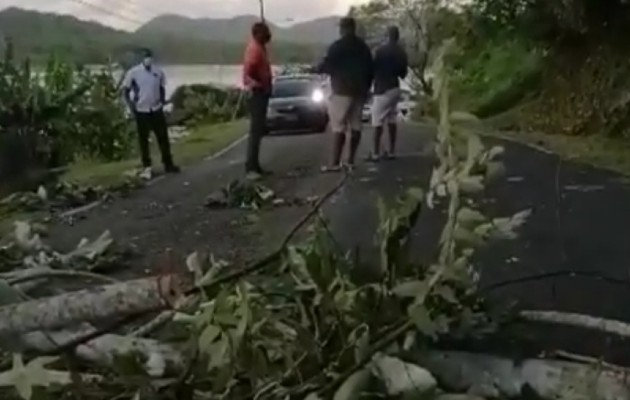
(102, 303)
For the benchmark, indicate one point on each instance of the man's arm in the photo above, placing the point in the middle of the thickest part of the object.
(162, 88)
(328, 64)
(404, 64)
(127, 88)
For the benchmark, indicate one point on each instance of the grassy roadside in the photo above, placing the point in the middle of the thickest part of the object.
(202, 142)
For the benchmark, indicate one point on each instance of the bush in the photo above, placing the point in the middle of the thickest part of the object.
(494, 76)
(195, 104)
(51, 118)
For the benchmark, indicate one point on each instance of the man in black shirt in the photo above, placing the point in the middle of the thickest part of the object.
(390, 66)
(349, 64)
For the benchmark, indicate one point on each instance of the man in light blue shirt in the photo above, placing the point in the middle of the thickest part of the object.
(144, 87)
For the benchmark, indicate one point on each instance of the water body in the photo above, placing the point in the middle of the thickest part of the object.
(219, 75)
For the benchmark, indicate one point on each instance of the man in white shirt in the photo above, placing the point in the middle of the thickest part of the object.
(144, 90)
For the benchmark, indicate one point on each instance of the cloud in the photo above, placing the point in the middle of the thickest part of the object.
(128, 14)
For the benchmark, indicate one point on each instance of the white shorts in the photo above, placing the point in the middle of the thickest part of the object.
(345, 113)
(385, 107)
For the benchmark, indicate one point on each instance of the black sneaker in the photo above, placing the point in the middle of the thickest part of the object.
(172, 169)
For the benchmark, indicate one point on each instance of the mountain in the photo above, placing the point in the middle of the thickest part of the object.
(229, 30)
(178, 41)
(318, 31)
(321, 30)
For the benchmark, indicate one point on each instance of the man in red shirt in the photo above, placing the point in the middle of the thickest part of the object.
(257, 81)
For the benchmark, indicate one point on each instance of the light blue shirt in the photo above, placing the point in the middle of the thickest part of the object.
(146, 85)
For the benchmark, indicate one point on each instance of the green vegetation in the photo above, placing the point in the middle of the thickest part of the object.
(37, 35)
(308, 321)
(556, 68)
(69, 123)
(202, 142)
(496, 75)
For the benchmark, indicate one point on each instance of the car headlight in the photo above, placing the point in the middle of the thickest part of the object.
(317, 96)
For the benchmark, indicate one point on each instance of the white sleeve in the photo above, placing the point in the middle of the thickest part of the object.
(128, 79)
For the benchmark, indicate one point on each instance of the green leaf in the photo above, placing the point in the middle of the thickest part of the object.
(416, 193)
(215, 267)
(412, 289)
(34, 374)
(401, 378)
(468, 217)
(420, 317)
(354, 386)
(361, 339)
(471, 184)
(495, 151)
(193, 263)
(218, 352)
(475, 149)
(447, 294)
(505, 228)
(207, 337)
(463, 235)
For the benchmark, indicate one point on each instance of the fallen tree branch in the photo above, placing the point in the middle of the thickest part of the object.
(561, 354)
(101, 348)
(34, 274)
(496, 377)
(145, 330)
(578, 320)
(96, 345)
(90, 305)
(278, 253)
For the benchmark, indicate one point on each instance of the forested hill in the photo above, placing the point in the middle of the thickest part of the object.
(317, 31)
(37, 35)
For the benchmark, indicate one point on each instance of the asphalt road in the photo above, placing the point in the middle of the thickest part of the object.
(580, 220)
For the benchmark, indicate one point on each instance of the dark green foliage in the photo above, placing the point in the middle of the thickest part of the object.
(51, 117)
(197, 103)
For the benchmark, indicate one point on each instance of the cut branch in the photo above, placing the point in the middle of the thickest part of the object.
(578, 320)
(96, 304)
(496, 377)
(158, 358)
(277, 254)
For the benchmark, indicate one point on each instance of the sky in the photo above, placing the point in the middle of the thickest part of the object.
(129, 14)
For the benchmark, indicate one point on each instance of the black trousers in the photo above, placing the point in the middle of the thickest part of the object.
(258, 103)
(153, 122)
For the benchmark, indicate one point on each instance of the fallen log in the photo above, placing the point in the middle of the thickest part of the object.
(496, 377)
(578, 320)
(158, 358)
(92, 305)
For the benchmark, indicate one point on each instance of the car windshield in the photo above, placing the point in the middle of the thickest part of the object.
(292, 88)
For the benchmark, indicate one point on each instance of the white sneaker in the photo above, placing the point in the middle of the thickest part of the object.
(146, 173)
(253, 176)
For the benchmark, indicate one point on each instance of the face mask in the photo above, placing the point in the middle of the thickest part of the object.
(148, 61)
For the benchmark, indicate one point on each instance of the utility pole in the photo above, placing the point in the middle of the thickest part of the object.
(262, 9)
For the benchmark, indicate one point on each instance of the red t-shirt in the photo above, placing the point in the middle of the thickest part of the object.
(256, 67)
